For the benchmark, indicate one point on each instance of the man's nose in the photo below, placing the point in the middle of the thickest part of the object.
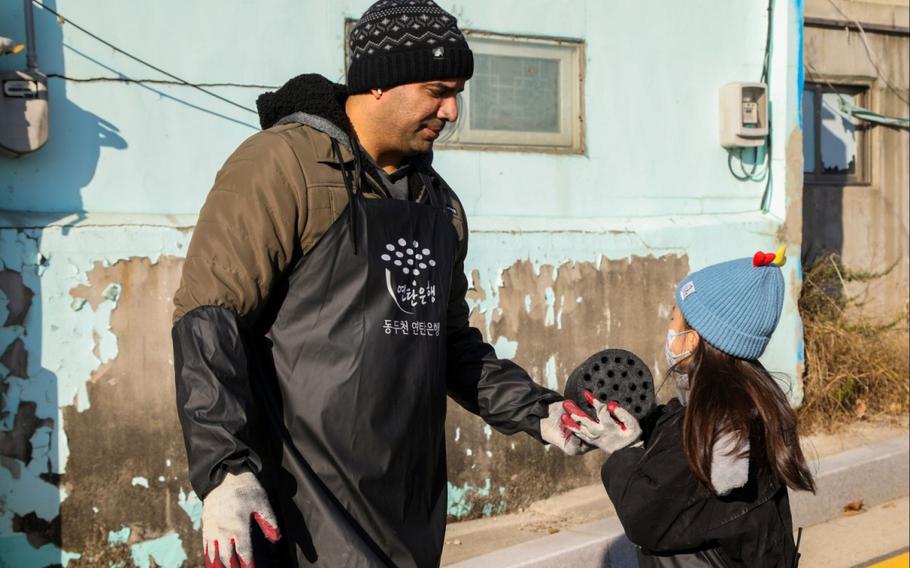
(448, 110)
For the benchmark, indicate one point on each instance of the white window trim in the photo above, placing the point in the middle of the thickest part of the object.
(570, 139)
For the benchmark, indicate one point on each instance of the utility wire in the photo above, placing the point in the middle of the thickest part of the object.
(767, 58)
(124, 79)
(180, 81)
(766, 79)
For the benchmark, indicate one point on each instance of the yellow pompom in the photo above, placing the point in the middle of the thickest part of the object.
(780, 257)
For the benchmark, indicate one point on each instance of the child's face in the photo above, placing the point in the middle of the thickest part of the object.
(683, 342)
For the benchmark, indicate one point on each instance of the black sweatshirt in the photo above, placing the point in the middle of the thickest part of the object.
(676, 521)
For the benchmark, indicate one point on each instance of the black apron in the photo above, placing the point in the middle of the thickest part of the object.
(359, 396)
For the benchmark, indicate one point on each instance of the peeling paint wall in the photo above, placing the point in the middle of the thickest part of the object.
(553, 318)
(92, 466)
(131, 400)
(569, 254)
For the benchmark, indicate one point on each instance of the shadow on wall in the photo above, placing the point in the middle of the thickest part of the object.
(823, 221)
(50, 182)
(51, 179)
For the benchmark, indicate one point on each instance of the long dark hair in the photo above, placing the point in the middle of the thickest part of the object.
(739, 396)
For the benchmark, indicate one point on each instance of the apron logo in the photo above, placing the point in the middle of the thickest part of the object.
(409, 263)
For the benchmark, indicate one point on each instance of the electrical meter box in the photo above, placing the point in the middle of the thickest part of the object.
(23, 112)
(743, 115)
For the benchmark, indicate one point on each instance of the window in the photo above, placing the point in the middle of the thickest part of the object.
(834, 143)
(526, 94)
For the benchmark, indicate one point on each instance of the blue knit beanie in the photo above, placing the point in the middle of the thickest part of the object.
(735, 305)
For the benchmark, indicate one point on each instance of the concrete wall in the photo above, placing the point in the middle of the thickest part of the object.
(569, 254)
(866, 224)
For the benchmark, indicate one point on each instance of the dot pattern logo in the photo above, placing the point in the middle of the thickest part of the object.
(407, 274)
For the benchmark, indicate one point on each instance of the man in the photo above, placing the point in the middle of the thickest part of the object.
(321, 319)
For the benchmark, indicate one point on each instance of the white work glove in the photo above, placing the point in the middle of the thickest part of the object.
(613, 429)
(553, 430)
(227, 512)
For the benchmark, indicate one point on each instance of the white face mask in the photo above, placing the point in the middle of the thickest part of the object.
(682, 379)
(674, 358)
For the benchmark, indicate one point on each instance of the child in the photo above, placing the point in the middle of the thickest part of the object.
(708, 484)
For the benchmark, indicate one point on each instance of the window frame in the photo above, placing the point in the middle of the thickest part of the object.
(570, 139)
(861, 94)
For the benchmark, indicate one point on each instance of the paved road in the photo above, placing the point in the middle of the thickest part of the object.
(875, 535)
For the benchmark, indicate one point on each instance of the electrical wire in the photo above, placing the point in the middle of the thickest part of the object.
(747, 175)
(766, 78)
(742, 168)
(179, 81)
(743, 177)
(862, 35)
(124, 79)
(767, 58)
(766, 172)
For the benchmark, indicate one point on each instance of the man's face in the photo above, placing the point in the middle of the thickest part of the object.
(414, 115)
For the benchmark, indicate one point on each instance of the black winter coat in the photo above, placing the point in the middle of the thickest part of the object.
(676, 521)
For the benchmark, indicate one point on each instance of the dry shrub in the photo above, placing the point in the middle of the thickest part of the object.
(855, 369)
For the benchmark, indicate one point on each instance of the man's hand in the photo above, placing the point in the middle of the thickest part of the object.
(227, 515)
(553, 430)
(613, 429)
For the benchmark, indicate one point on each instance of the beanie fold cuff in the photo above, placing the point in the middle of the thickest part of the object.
(389, 70)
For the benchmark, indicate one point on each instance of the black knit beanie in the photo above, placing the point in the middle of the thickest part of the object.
(406, 41)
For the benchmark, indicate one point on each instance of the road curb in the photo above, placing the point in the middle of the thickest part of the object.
(874, 474)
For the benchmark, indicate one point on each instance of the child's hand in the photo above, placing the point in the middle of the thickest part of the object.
(614, 428)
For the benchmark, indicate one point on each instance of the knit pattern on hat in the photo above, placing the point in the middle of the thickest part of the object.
(406, 41)
(734, 305)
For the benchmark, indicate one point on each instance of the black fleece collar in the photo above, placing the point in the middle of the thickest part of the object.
(310, 93)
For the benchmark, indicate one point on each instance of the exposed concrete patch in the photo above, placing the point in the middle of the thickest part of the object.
(554, 317)
(15, 358)
(17, 443)
(18, 295)
(38, 531)
(132, 407)
(791, 231)
(18, 419)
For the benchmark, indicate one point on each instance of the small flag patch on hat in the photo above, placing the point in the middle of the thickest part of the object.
(687, 290)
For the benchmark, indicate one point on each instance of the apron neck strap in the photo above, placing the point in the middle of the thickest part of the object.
(430, 189)
(353, 196)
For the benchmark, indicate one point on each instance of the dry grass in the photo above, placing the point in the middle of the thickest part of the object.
(855, 369)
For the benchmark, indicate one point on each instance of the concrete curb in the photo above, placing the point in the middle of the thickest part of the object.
(875, 473)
